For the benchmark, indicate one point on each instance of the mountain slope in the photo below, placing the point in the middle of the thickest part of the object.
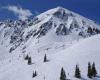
(80, 53)
(66, 37)
(55, 25)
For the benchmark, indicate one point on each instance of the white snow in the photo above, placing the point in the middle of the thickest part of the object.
(62, 51)
(79, 53)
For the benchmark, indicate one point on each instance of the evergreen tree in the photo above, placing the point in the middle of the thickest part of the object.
(94, 71)
(26, 58)
(34, 74)
(29, 61)
(89, 70)
(62, 75)
(77, 72)
(45, 58)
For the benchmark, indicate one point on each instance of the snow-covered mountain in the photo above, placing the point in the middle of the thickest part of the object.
(60, 33)
(57, 24)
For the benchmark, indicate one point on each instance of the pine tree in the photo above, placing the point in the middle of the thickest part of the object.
(26, 58)
(34, 74)
(89, 70)
(62, 75)
(77, 72)
(45, 58)
(29, 61)
(94, 71)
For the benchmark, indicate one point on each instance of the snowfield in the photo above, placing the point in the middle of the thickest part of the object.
(66, 38)
(87, 50)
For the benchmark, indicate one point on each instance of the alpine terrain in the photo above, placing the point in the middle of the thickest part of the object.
(55, 45)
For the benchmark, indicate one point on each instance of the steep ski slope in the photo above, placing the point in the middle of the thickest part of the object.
(80, 53)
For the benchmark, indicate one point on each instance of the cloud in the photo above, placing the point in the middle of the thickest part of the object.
(19, 11)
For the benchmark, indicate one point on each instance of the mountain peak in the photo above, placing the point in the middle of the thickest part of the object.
(60, 8)
(54, 10)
